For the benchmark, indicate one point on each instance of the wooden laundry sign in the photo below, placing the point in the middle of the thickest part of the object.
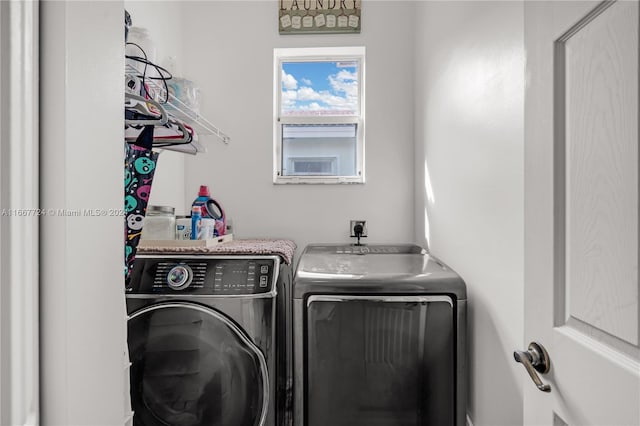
(319, 16)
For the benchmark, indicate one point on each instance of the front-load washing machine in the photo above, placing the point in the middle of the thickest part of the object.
(379, 338)
(204, 338)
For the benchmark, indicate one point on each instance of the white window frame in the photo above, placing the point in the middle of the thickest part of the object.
(318, 54)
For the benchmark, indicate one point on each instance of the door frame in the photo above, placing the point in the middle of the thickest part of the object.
(19, 202)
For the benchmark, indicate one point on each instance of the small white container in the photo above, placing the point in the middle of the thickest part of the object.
(207, 229)
(159, 223)
(183, 229)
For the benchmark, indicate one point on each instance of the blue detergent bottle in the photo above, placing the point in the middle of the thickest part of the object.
(211, 209)
(196, 219)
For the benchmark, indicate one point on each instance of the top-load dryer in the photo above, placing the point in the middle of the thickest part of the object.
(379, 338)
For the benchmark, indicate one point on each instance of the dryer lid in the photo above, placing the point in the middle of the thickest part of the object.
(374, 269)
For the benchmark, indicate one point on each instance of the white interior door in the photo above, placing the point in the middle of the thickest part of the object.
(581, 210)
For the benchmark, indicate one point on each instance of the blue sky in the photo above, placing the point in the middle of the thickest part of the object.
(319, 88)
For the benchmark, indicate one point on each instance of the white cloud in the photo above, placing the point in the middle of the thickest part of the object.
(289, 82)
(289, 99)
(308, 94)
(345, 75)
(307, 82)
(343, 96)
(345, 82)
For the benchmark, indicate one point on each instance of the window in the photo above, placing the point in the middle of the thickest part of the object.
(319, 115)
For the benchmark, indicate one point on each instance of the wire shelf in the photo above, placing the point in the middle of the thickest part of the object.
(179, 109)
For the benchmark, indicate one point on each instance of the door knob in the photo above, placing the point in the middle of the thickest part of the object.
(535, 359)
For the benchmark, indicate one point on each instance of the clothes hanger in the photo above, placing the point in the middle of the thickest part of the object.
(141, 111)
(192, 148)
(184, 137)
(174, 132)
(174, 135)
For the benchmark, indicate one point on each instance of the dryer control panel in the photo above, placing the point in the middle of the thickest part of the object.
(219, 276)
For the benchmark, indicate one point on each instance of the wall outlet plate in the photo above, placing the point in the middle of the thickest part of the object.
(353, 223)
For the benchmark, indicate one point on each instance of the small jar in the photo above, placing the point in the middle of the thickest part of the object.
(159, 223)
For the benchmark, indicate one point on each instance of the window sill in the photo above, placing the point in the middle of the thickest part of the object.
(318, 180)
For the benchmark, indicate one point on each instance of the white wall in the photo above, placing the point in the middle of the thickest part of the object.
(163, 22)
(82, 257)
(229, 53)
(469, 173)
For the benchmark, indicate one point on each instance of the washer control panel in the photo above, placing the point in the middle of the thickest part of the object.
(210, 276)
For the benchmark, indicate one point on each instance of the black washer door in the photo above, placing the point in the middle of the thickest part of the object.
(192, 366)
